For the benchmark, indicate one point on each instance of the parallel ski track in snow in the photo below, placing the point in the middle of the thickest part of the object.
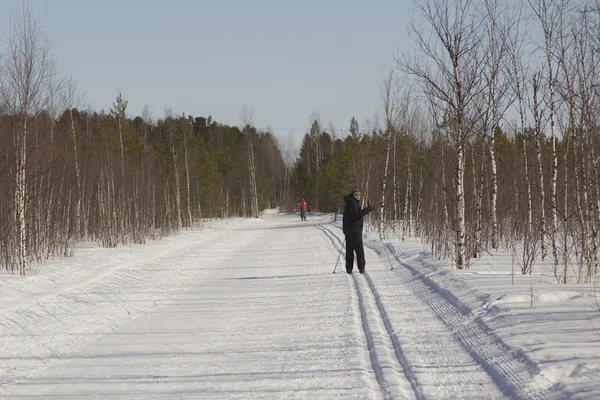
(387, 360)
(390, 371)
(511, 371)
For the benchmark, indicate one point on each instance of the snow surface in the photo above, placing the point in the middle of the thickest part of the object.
(250, 308)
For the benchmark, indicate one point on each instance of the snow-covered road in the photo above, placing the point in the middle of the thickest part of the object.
(252, 310)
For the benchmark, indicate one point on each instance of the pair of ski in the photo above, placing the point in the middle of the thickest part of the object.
(350, 273)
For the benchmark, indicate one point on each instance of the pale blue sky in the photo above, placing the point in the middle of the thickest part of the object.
(284, 59)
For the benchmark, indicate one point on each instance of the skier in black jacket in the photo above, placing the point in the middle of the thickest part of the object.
(352, 227)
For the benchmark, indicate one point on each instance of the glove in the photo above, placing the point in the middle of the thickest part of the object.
(369, 206)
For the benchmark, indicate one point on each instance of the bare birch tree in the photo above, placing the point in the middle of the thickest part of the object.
(448, 66)
(515, 44)
(184, 134)
(586, 74)
(497, 98)
(171, 132)
(549, 14)
(118, 111)
(71, 99)
(247, 118)
(567, 49)
(26, 87)
(315, 134)
(538, 150)
(389, 97)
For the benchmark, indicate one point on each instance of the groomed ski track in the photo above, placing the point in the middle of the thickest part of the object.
(253, 311)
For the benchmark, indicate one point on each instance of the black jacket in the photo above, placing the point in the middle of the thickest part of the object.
(353, 215)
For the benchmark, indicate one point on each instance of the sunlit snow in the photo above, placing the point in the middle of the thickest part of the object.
(250, 308)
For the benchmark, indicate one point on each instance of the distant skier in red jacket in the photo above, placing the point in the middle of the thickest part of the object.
(302, 207)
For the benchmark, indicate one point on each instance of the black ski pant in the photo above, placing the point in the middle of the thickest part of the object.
(354, 244)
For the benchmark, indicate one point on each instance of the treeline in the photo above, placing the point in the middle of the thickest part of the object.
(68, 174)
(115, 180)
(488, 136)
(412, 182)
(529, 69)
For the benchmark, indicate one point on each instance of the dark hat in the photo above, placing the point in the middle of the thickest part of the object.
(355, 190)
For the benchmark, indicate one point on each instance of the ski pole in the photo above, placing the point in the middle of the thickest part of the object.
(338, 259)
(386, 253)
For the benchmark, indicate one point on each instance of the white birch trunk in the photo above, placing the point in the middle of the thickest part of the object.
(179, 222)
(445, 198)
(101, 204)
(116, 235)
(366, 197)
(154, 189)
(244, 206)
(21, 196)
(554, 170)
(318, 165)
(385, 174)
(596, 205)
(167, 195)
(529, 227)
(395, 188)
(494, 194)
(419, 204)
(78, 177)
(478, 194)
(542, 195)
(200, 206)
(122, 219)
(584, 215)
(460, 204)
(253, 188)
(567, 140)
(67, 234)
(566, 217)
(494, 101)
(50, 190)
(407, 197)
(187, 181)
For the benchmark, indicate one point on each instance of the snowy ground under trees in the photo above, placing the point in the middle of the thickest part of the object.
(250, 309)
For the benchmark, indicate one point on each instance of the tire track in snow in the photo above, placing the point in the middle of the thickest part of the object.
(511, 369)
(35, 334)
